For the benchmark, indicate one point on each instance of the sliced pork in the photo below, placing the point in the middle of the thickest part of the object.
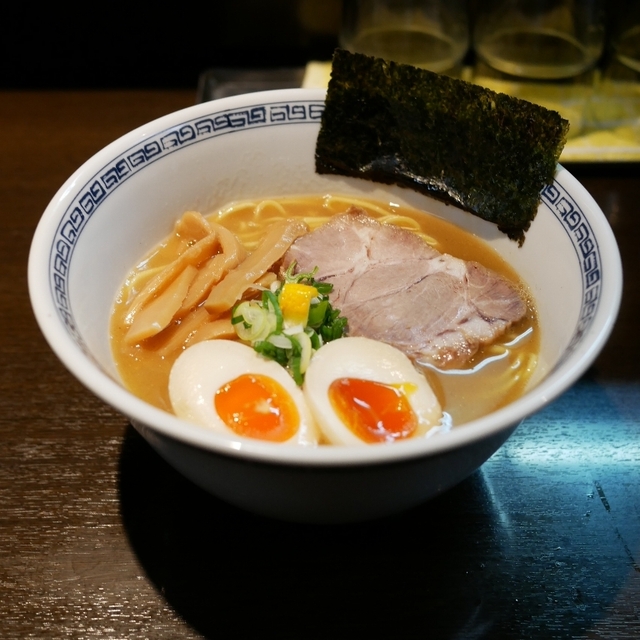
(392, 286)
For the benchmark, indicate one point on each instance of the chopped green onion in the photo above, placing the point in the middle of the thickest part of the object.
(324, 288)
(280, 340)
(317, 314)
(260, 323)
(306, 350)
(270, 301)
(254, 322)
(294, 364)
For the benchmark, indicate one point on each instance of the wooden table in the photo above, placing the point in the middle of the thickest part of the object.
(99, 538)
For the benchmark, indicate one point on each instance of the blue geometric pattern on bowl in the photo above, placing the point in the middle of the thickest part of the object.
(225, 122)
(584, 242)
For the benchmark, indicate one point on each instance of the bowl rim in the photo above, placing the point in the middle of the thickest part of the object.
(142, 414)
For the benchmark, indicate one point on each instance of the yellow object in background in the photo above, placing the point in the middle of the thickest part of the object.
(604, 115)
(316, 75)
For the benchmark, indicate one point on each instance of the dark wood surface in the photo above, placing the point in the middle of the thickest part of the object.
(99, 538)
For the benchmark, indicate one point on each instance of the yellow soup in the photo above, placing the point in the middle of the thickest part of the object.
(497, 374)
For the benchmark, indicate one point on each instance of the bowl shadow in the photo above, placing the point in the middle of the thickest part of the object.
(220, 567)
(453, 567)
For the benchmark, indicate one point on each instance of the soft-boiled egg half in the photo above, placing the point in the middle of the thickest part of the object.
(227, 386)
(362, 391)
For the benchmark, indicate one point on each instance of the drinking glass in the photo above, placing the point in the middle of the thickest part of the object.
(431, 34)
(626, 34)
(540, 39)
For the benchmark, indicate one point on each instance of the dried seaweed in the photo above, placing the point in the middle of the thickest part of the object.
(486, 152)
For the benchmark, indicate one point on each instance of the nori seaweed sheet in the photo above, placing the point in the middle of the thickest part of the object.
(486, 152)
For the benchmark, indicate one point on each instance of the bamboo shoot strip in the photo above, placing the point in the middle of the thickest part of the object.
(275, 243)
(231, 254)
(157, 315)
(195, 254)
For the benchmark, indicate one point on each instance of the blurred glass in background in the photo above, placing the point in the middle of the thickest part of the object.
(614, 108)
(540, 39)
(625, 35)
(544, 51)
(432, 34)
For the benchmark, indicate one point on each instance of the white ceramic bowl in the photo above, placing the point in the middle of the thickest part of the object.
(126, 198)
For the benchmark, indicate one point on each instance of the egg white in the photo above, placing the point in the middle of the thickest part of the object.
(365, 359)
(205, 367)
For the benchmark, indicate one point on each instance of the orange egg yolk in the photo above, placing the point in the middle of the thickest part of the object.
(374, 411)
(257, 406)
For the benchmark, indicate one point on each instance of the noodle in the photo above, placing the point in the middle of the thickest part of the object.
(257, 211)
(355, 202)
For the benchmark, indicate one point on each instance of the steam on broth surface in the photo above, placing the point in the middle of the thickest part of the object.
(496, 375)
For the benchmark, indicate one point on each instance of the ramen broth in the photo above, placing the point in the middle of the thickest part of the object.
(496, 376)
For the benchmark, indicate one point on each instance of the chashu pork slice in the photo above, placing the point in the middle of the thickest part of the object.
(394, 287)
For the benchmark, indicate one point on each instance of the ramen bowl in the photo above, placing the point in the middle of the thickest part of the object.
(126, 198)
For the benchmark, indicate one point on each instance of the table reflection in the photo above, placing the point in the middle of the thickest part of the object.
(507, 553)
